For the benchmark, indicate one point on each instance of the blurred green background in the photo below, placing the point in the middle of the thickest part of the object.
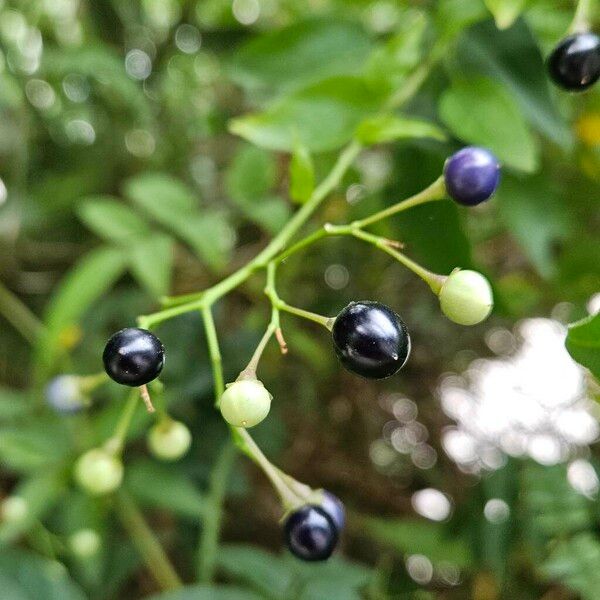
(145, 150)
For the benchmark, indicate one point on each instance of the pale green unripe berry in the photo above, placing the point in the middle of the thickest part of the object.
(14, 509)
(245, 403)
(84, 543)
(169, 440)
(466, 297)
(98, 472)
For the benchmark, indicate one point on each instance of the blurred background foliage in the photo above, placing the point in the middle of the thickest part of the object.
(145, 149)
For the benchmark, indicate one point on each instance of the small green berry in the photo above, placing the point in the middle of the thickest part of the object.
(169, 440)
(14, 509)
(84, 543)
(245, 403)
(466, 297)
(98, 472)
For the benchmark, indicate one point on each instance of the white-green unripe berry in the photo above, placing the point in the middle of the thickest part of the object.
(84, 543)
(14, 509)
(98, 472)
(169, 440)
(245, 403)
(466, 297)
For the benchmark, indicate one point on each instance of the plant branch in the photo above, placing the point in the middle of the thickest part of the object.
(116, 442)
(19, 315)
(146, 543)
(213, 513)
(214, 353)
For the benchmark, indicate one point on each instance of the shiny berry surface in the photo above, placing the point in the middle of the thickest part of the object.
(371, 340)
(133, 356)
(574, 64)
(471, 175)
(310, 534)
(334, 507)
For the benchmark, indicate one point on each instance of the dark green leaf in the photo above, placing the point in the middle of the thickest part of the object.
(386, 128)
(25, 576)
(301, 53)
(112, 220)
(156, 485)
(251, 175)
(481, 111)
(208, 592)
(151, 262)
(322, 116)
(583, 343)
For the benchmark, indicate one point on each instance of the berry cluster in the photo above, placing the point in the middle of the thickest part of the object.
(369, 339)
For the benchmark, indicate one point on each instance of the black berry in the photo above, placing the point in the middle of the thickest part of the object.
(574, 64)
(310, 533)
(471, 175)
(133, 357)
(334, 507)
(371, 340)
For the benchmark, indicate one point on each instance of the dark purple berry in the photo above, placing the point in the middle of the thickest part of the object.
(371, 340)
(334, 507)
(133, 357)
(310, 533)
(574, 64)
(471, 175)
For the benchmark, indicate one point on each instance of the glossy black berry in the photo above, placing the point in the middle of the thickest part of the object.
(334, 507)
(310, 533)
(371, 340)
(574, 64)
(471, 175)
(133, 357)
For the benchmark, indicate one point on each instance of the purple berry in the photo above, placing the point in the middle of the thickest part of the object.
(133, 357)
(334, 507)
(471, 175)
(574, 64)
(311, 534)
(64, 395)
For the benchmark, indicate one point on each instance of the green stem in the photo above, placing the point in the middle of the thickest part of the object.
(146, 543)
(213, 513)
(581, 22)
(277, 244)
(327, 322)
(436, 191)
(19, 315)
(214, 353)
(434, 280)
(116, 442)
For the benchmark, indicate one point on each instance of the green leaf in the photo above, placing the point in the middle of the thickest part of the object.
(147, 481)
(82, 286)
(575, 562)
(208, 592)
(505, 12)
(390, 63)
(26, 576)
(251, 175)
(301, 53)
(25, 447)
(512, 57)
(420, 537)
(151, 262)
(520, 203)
(481, 111)
(112, 220)
(322, 116)
(302, 174)
(257, 568)
(174, 206)
(14, 404)
(386, 128)
(453, 16)
(583, 343)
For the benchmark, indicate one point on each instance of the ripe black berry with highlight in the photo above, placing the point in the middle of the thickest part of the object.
(133, 357)
(311, 534)
(574, 64)
(371, 340)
